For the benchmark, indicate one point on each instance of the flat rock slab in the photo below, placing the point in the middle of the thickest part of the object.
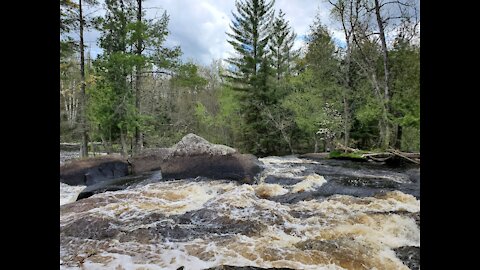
(229, 267)
(111, 185)
(91, 171)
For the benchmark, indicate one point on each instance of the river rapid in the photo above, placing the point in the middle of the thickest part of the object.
(301, 214)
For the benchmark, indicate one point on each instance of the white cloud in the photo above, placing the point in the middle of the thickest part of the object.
(200, 27)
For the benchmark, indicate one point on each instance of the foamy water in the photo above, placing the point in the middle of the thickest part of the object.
(69, 194)
(202, 224)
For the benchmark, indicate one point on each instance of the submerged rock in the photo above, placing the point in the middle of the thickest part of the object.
(91, 171)
(194, 156)
(229, 267)
(410, 256)
(111, 185)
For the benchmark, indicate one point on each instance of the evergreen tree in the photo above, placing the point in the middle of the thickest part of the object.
(281, 46)
(250, 69)
(115, 68)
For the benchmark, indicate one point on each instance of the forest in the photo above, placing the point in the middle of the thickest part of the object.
(269, 98)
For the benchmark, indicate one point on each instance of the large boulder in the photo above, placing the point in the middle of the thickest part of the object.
(194, 156)
(87, 172)
(239, 167)
(149, 160)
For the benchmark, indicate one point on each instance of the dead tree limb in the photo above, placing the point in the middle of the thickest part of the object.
(402, 155)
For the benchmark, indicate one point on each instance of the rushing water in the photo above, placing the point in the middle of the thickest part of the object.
(302, 214)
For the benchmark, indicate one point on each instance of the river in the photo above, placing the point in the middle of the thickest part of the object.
(301, 214)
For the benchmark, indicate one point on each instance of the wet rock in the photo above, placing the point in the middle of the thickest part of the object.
(410, 256)
(272, 179)
(111, 185)
(194, 156)
(229, 267)
(91, 171)
(85, 205)
(204, 223)
(415, 215)
(239, 167)
(90, 227)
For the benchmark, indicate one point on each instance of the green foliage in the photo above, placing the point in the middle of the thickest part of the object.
(267, 100)
(410, 140)
(250, 71)
(351, 156)
(320, 56)
(224, 125)
(406, 84)
(187, 76)
(281, 45)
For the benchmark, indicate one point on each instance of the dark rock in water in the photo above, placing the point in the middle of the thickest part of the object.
(410, 256)
(93, 170)
(202, 223)
(194, 156)
(86, 205)
(239, 167)
(90, 227)
(110, 185)
(229, 267)
(271, 179)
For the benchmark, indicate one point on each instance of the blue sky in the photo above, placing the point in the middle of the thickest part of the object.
(199, 26)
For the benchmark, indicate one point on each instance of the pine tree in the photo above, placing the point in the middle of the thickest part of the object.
(281, 46)
(250, 69)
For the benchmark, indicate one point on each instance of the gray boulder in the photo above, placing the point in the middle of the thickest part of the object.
(194, 156)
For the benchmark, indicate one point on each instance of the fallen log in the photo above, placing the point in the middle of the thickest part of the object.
(379, 157)
(404, 155)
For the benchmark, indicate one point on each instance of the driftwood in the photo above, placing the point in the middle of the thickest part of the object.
(413, 157)
(379, 157)
(382, 156)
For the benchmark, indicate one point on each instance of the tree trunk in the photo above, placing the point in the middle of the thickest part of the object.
(386, 129)
(398, 141)
(123, 141)
(83, 124)
(138, 134)
(106, 145)
(287, 140)
(386, 76)
(315, 149)
(346, 116)
(384, 51)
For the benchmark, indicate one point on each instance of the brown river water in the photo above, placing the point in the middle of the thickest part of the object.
(301, 214)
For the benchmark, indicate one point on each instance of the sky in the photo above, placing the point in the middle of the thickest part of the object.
(199, 26)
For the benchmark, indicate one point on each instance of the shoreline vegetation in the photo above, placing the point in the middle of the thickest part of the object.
(274, 96)
(338, 153)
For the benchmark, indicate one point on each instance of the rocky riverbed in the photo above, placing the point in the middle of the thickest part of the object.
(299, 214)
